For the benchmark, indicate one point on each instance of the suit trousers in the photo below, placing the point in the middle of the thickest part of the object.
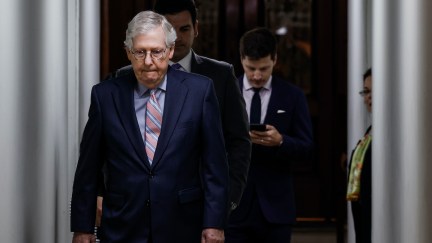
(362, 222)
(256, 229)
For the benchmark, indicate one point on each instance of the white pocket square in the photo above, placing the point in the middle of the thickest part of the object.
(280, 111)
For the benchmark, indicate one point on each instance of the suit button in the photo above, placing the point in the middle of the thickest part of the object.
(233, 205)
(148, 203)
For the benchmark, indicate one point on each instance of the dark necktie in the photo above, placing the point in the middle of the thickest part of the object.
(255, 110)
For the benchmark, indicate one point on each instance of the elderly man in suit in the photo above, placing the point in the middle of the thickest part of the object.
(182, 14)
(267, 209)
(157, 131)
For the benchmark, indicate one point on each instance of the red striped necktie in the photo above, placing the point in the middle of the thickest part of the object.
(153, 124)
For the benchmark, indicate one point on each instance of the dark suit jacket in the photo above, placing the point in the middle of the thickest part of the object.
(186, 187)
(269, 175)
(234, 119)
(233, 114)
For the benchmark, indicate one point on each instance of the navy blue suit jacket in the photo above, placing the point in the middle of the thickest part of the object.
(186, 187)
(233, 115)
(269, 174)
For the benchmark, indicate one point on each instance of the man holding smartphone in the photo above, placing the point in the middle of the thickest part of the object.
(281, 132)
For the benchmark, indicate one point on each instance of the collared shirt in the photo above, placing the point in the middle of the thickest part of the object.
(141, 96)
(265, 93)
(185, 62)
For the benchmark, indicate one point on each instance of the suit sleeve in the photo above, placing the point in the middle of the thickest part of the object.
(215, 173)
(85, 186)
(237, 139)
(299, 143)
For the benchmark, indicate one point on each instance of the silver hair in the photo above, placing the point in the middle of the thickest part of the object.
(146, 21)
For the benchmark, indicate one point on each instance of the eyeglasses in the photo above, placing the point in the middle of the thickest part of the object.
(154, 54)
(365, 92)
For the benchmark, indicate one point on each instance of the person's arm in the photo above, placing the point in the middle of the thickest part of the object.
(85, 186)
(237, 140)
(299, 143)
(214, 169)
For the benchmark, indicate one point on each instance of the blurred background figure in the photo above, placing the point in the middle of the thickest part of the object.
(359, 190)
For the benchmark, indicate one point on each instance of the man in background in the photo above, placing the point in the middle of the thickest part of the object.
(182, 14)
(281, 133)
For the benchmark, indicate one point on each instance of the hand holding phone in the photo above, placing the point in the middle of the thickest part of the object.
(257, 127)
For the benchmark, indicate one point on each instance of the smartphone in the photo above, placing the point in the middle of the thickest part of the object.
(257, 127)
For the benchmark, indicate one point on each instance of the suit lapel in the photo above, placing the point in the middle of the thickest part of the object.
(174, 100)
(124, 102)
(273, 102)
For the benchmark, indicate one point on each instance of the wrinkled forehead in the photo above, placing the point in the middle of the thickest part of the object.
(154, 38)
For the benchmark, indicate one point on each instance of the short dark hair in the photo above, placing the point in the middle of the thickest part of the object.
(367, 73)
(258, 43)
(176, 6)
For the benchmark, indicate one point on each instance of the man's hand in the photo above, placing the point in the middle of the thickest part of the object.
(83, 238)
(99, 210)
(211, 235)
(271, 137)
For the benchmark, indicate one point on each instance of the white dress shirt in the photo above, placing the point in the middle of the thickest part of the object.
(264, 93)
